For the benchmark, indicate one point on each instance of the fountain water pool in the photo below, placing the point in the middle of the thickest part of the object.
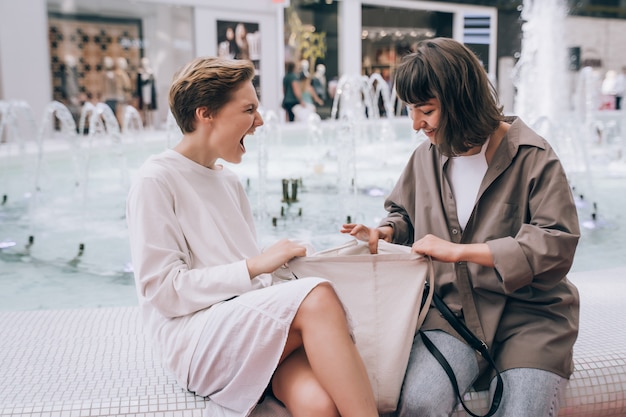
(335, 170)
(68, 212)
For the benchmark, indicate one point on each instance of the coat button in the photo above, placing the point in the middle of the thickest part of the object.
(455, 231)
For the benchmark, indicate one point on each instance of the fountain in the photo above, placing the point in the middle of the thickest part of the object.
(17, 131)
(132, 121)
(542, 88)
(382, 92)
(589, 142)
(71, 195)
(353, 99)
(67, 229)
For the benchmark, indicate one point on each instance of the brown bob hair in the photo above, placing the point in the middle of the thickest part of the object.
(448, 71)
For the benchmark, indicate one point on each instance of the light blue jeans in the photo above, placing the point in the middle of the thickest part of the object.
(427, 391)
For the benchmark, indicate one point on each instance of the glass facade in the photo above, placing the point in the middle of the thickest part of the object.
(390, 33)
(311, 39)
(100, 52)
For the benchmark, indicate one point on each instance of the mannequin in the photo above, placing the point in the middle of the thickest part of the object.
(609, 90)
(319, 81)
(304, 68)
(109, 88)
(123, 85)
(69, 85)
(146, 92)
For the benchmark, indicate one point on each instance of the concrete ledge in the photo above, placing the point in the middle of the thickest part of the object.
(97, 362)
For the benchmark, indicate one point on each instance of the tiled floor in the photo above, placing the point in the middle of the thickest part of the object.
(84, 363)
(96, 362)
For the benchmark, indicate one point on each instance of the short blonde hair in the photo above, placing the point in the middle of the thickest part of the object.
(205, 82)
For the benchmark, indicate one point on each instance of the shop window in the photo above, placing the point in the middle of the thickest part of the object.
(390, 33)
(311, 42)
(78, 47)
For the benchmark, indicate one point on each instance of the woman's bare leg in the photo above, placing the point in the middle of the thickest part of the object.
(320, 326)
(296, 385)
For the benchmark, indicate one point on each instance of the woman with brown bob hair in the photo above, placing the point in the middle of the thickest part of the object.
(488, 200)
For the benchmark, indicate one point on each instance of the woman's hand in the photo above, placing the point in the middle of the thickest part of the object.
(366, 234)
(437, 248)
(274, 257)
(445, 251)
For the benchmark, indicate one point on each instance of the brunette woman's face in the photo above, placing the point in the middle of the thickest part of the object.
(425, 117)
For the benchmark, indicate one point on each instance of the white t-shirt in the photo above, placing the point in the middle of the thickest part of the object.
(465, 174)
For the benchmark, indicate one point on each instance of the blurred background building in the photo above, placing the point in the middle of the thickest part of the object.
(57, 49)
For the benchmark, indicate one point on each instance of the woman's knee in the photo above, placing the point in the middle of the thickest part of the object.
(321, 300)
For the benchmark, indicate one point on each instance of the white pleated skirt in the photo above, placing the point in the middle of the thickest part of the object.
(241, 344)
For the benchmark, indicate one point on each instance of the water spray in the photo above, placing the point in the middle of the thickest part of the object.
(81, 249)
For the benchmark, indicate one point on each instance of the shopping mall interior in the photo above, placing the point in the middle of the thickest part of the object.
(346, 36)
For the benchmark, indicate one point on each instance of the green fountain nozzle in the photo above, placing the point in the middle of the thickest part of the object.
(285, 190)
(294, 191)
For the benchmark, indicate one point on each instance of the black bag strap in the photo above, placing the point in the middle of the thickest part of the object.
(477, 344)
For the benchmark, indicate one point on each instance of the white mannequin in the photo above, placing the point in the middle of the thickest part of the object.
(71, 89)
(304, 67)
(608, 84)
(70, 60)
(319, 81)
(146, 78)
(609, 90)
(108, 63)
(146, 91)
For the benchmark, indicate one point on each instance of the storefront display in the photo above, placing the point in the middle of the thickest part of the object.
(390, 33)
(311, 43)
(81, 46)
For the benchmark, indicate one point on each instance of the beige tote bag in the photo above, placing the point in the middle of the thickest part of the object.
(383, 294)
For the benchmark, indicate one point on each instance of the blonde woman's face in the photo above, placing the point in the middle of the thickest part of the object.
(237, 119)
